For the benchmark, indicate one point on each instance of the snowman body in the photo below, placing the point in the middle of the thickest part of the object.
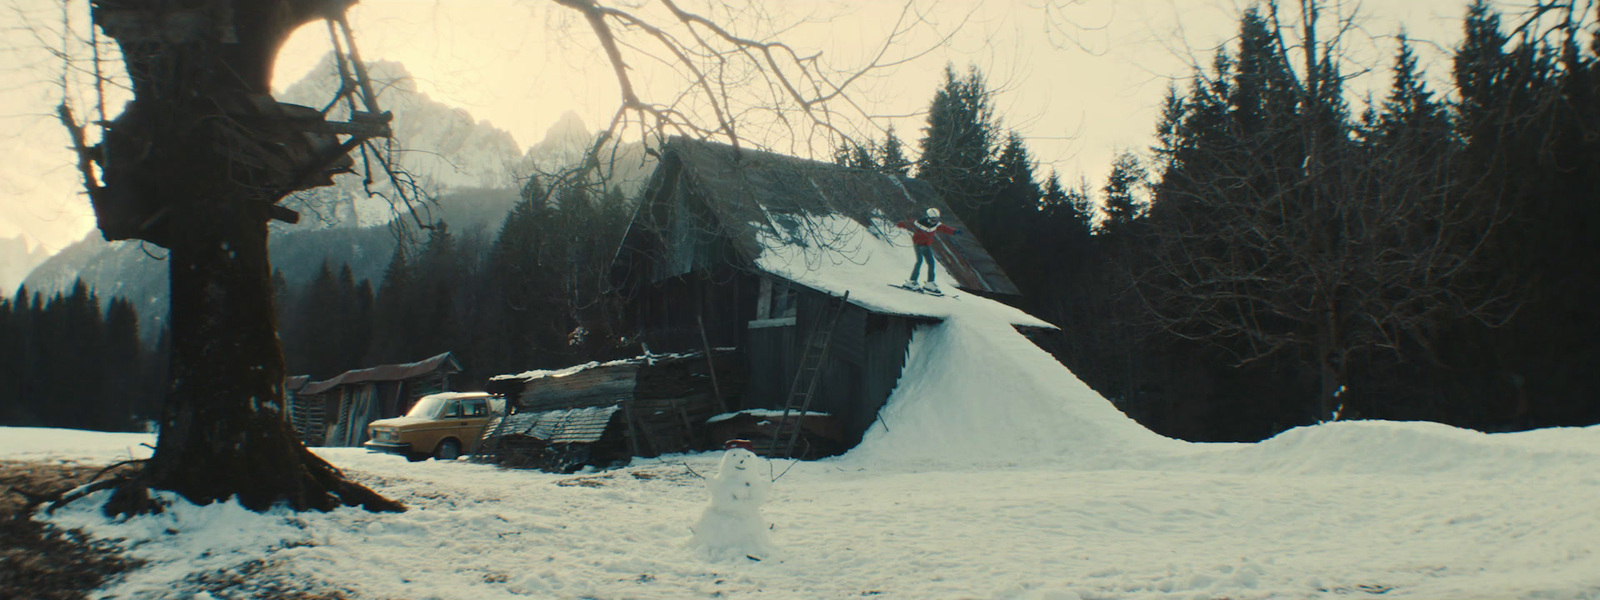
(731, 526)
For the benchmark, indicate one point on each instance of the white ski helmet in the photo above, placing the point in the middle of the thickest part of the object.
(933, 213)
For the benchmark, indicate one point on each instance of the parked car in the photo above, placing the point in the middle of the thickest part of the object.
(442, 426)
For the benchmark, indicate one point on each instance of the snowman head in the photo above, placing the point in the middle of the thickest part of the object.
(738, 462)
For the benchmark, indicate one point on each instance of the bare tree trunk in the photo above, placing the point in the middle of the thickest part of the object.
(1330, 368)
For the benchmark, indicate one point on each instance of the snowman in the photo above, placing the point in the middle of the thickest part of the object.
(731, 527)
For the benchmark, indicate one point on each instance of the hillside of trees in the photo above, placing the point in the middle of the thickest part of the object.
(1283, 254)
(527, 297)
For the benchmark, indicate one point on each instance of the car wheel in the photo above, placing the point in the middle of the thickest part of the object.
(448, 450)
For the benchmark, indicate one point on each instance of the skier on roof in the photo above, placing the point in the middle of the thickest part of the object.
(922, 232)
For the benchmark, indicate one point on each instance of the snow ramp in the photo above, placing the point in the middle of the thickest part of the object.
(976, 392)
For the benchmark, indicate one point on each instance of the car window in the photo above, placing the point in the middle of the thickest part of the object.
(477, 408)
(451, 410)
(426, 408)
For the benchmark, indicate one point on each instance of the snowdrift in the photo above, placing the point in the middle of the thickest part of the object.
(1404, 449)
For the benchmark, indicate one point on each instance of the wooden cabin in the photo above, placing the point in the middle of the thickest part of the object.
(352, 399)
(696, 269)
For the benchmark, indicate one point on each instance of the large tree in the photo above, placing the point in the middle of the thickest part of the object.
(197, 163)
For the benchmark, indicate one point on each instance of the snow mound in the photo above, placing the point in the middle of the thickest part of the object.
(1416, 448)
(977, 392)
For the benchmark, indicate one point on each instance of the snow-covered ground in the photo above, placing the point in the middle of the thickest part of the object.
(992, 479)
(994, 473)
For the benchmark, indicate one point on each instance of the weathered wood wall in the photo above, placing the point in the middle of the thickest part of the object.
(863, 366)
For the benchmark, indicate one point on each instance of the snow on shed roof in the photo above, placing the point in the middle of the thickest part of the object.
(649, 358)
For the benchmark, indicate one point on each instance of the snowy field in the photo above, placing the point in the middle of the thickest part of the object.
(993, 473)
(991, 479)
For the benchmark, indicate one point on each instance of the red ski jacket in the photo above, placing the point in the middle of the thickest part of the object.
(922, 230)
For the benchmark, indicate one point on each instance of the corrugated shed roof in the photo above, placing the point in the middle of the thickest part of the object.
(751, 191)
(400, 372)
(572, 426)
(293, 383)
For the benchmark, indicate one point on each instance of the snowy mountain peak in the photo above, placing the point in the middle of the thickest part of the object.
(440, 145)
(567, 130)
(17, 259)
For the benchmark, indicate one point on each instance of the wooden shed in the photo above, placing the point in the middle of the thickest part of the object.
(691, 266)
(660, 401)
(305, 417)
(559, 441)
(352, 399)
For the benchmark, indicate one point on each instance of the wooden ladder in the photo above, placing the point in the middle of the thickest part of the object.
(812, 359)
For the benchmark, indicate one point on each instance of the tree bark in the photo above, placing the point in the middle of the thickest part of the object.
(222, 430)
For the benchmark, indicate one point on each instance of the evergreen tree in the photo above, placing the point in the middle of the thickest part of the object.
(314, 349)
(958, 145)
(441, 271)
(122, 404)
(354, 328)
(1526, 112)
(1122, 206)
(1010, 217)
(393, 314)
(891, 156)
(12, 343)
(855, 156)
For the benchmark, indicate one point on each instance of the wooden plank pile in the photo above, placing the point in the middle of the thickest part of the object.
(662, 403)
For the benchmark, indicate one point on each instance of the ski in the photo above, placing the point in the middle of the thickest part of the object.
(922, 291)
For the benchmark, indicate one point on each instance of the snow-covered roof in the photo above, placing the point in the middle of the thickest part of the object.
(764, 413)
(843, 255)
(643, 359)
(705, 194)
(456, 395)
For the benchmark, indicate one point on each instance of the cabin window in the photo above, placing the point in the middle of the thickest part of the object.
(777, 303)
(784, 300)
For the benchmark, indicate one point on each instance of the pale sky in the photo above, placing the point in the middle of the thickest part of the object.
(1081, 80)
